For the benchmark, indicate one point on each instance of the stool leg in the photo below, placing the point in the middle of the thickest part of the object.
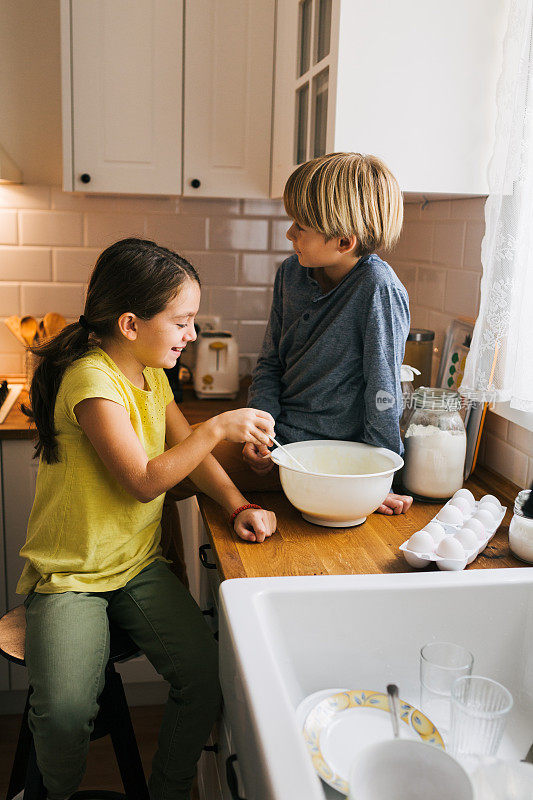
(20, 761)
(115, 708)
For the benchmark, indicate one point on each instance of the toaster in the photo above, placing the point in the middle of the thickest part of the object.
(216, 372)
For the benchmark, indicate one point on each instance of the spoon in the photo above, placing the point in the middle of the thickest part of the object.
(288, 453)
(53, 323)
(392, 691)
(28, 329)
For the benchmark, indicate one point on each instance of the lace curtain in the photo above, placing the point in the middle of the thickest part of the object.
(499, 366)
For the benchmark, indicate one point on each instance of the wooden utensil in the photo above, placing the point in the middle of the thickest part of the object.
(13, 323)
(53, 323)
(28, 329)
(41, 333)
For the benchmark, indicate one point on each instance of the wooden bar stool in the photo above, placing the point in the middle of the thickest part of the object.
(113, 718)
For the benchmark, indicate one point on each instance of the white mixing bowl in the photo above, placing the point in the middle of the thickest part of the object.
(346, 482)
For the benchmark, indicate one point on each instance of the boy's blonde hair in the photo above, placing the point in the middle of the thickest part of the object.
(347, 194)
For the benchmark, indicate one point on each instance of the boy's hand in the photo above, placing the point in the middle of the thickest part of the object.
(254, 524)
(395, 504)
(257, 457)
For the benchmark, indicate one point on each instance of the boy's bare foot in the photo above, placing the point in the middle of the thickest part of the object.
(395, 504)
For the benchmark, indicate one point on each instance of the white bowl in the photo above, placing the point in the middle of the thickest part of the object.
(346, 481)
(402, 769)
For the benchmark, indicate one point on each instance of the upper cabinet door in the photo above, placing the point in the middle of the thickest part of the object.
(122, 95)
(229, 52)
(413, 82)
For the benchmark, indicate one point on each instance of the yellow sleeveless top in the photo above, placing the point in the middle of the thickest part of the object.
(86, 533)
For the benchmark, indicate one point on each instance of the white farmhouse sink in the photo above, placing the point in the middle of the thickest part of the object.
(283, 638)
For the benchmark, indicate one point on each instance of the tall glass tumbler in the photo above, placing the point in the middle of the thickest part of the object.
(441, 663)
(479, 712)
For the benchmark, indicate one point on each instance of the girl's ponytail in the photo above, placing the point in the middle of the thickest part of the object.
(55, 356)
(132, 275)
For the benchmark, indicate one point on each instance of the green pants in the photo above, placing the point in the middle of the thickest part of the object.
(67, 648)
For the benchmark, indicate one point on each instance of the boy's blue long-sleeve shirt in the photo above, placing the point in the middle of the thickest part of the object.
(329, 367)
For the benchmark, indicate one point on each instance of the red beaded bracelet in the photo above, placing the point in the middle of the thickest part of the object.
(242, 508)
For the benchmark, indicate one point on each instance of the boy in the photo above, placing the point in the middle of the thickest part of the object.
(330, 363)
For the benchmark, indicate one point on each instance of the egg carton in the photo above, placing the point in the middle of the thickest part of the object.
(420, 559)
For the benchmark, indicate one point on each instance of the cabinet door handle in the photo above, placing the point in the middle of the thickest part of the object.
(85, 177)
(203, 556)
(231, 777)
(195, 183)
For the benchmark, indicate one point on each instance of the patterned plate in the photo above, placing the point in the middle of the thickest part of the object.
(338, 726)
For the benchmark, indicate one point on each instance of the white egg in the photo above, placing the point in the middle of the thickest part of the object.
(462, 504)
(468, 538)
(435, 530)
(491, 508)
(421, 542)
(467, 494)
(485, 517)
(490, 498)
(450, 514)
(476, 526)
(450, 548)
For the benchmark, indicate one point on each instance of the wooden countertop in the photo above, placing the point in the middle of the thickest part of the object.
(300, 548)
(17, 426)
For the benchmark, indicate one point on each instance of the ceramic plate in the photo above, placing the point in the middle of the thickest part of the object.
(343, 723)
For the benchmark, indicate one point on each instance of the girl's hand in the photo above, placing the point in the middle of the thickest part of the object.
(257, 457)
(246, 425)
(254, 524)
(395, 504)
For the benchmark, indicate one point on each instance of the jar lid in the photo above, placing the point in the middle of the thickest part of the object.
(408, 373)
(420, 335)
(437, 399)
(520, 501)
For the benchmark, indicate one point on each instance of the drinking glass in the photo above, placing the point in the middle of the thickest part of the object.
(441, 663)
(479, 712)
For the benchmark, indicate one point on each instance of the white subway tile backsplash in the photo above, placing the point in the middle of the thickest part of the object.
(205, 206)
(469, 208)
(215, 268)
(411, 211)
(496, 425)
(509, 462)
(11, 364)
(240, 304)
(472, 250)
(416, 242)
(520, 438)
(14, 196)
(8, 227)
(38, 299)
(105, 204)
(407, 273)
(101, 230)
(279, 236)
(264, 208)
(436, 209)
(74, 264)
(462, 293)
(51, 228)
(251, 335)
(448, 243)
(8, 343)
(25, 264)
(238, 234)
(259, 268)
(9, 299)
(178, 232)
(431, 287)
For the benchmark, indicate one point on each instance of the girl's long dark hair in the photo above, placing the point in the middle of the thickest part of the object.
(131, 275)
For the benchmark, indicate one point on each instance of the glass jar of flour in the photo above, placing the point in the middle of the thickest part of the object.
(435, 445)
(521, 530)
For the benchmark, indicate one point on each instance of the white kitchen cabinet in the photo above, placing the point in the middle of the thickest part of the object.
(127, 128)
(122, 95)
(413, 83)
(229, 52)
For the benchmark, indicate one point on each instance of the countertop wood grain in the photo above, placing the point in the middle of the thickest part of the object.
(300, 548)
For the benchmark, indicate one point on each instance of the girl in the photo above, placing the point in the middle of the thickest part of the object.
(104, 410)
